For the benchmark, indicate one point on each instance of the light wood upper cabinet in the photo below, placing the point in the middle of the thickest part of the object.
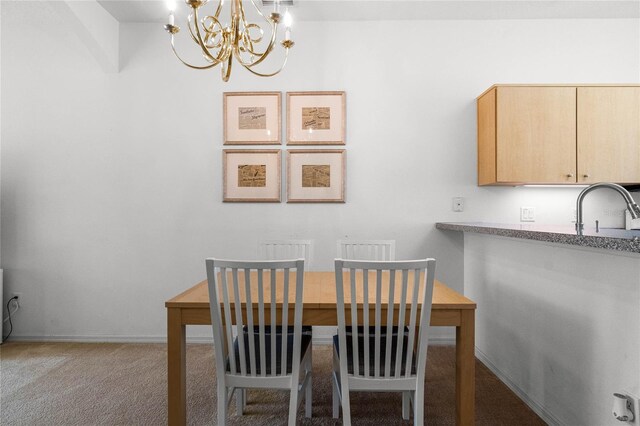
(608, 134)
(558, 135)
(536, 134)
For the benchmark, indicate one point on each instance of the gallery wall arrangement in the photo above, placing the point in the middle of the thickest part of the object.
(312, 118)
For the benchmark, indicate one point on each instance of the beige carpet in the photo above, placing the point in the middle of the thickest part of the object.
(125, 384)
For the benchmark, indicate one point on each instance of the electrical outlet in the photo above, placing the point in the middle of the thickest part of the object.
(527, 214)
(458, 204)
(19, 296)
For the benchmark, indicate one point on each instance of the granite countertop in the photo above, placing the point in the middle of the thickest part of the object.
(607, 238)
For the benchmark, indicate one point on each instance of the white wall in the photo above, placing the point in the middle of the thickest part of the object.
(111, 184)
(559, 323)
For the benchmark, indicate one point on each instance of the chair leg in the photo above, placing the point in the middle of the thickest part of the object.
(309, 390)
(418, 405)
(240, 401)
(335, 392)
(222, 404)
(336, 399)
(293, 403)
(406, 405)
(346, 408)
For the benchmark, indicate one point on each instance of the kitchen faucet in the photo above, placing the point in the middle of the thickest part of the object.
(631, 205)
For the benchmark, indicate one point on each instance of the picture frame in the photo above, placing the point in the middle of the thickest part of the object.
(252, 118)
(316, 175)
(316, 118)
(251, 175)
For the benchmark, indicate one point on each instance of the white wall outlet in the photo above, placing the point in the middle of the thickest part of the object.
(458, 204)
(527, 214)
(19, 296)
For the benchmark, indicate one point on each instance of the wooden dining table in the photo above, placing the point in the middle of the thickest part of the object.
(449, 308)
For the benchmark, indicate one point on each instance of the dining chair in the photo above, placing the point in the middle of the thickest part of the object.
(367, 249)
(286, 249)
(256, 344)
(389, 350)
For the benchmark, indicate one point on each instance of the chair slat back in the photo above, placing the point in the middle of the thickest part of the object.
(367, 249)
(286, 249)
(391, 293)
(248, 300)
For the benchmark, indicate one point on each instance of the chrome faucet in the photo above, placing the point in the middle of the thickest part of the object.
(633, 208)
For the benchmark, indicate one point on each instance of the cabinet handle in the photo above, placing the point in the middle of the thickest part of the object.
(585, 176)
(569, 175)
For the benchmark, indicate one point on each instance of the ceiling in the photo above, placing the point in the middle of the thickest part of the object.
(375, 10)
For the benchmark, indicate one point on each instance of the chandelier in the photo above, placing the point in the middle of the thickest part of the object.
(239, 39)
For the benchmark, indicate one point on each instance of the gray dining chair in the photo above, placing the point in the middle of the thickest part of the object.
(389, 350)
(256, 344)
(367, 249)
(286, 249)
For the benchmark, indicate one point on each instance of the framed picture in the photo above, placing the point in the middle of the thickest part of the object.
(251, 175)
(316, 118)
(252, 118)
(315, 175)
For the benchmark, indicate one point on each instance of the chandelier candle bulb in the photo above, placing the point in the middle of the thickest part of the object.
(288, 19)
(171, 5)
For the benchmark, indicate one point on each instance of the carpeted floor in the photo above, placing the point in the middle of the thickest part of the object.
(125, 384)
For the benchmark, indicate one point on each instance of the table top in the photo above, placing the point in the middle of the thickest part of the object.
(319, 293)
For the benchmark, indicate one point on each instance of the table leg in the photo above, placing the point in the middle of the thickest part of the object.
(176, 368)
(465, 368)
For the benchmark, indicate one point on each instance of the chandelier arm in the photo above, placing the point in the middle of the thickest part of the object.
(226, 68)
(263, 55)
(207, 46)
(197, 67)
(259, 74)
(274, 28)
(189, 25)
(201, 43)
(208, 58)
(218, 9)
(257, 10)
(216, 15)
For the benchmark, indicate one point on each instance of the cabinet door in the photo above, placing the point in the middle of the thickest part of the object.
(609, 134)
(536, 134)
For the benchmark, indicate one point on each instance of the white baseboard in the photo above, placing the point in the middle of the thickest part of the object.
(91, 339)
(544, 414)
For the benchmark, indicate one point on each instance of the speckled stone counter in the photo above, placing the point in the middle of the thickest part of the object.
(607, 238)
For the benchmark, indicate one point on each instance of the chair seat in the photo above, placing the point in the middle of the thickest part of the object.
(304, 346)
(383, 342)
